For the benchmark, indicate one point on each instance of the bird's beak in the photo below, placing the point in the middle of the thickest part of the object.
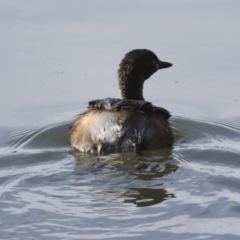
(163, 65)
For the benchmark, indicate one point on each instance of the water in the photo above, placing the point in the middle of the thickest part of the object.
(56, 56)
(50, 191)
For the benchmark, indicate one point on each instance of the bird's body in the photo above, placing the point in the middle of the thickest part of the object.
(129, 123)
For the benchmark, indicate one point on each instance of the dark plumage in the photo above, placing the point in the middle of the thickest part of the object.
(136, 67)
(129, 123)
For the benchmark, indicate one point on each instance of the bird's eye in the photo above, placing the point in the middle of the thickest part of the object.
(155, 63)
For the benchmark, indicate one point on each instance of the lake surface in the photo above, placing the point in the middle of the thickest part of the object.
(58, 55)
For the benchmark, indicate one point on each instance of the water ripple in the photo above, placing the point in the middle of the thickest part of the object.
(50, 192)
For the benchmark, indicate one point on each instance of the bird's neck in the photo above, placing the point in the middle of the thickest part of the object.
(131, 87)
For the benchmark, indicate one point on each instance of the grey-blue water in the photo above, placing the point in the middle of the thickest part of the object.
(57, 55)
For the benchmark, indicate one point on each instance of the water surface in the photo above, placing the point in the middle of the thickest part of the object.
(56, 56)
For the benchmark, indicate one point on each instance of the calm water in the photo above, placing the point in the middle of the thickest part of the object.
(57, 55)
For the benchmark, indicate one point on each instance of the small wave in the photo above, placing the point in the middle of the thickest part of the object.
(55, 136)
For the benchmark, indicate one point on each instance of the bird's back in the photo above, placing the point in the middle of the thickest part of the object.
(117, 125)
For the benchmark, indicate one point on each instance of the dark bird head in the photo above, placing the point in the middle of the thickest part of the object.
(136, 67)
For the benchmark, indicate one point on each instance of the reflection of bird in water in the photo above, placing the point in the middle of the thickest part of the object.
(143, 197)
(115, 178)
(129, 123)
